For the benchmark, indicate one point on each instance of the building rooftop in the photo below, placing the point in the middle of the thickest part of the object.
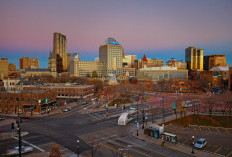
(219, 69)
(23, 91)
(111, 41)
(63, 85)
(160, 68)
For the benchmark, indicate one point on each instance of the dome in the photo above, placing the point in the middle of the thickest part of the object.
(110, 41)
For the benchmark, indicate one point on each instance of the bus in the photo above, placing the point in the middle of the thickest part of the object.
(126, 117)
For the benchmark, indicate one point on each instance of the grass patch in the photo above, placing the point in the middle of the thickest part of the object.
(204, 120)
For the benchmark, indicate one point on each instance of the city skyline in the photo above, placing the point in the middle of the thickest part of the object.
(158, 29)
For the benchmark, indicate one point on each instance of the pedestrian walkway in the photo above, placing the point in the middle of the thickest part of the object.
(178, 147)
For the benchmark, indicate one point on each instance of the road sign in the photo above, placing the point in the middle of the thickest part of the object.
(137, 125)
(173, 106)
(132, 108)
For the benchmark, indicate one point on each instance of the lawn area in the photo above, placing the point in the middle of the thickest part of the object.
(204, 120)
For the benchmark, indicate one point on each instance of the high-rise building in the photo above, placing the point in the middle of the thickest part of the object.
(60, 51)
(69, 55)
(194, 58)
(28, 63)
(130, 60)
(214, 60)
(52, 62)
(3, 68)
(110, 53)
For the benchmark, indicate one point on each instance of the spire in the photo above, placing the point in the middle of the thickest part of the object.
(144, 58)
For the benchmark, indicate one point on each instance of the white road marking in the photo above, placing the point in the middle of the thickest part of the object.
(36, 147)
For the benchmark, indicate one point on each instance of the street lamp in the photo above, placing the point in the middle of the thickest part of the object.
(193, 144)
(78, 147)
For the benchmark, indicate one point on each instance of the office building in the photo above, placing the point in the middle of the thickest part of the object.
(3, 68)
(194, 58)
(85, 68)
(110, 53)
(11, 67)
(26, 63)
(37, 72)
(60, 52)
(216, 77)
(130, 60)
(160, 73)
(69, 55)
(214, 60)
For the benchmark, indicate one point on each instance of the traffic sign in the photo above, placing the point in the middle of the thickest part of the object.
(173, 106)
(132, 108)
(137, 125)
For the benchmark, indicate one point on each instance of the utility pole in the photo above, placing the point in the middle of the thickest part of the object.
(151, 115)
(19, 132)
(137, 116)
(143, 119)
(163, 109)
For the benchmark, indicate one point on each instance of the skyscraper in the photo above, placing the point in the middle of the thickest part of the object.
(27, 62)
(60, 51)
(194, 58)
(110, 52)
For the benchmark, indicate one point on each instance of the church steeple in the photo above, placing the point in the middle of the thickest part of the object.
(144, 58)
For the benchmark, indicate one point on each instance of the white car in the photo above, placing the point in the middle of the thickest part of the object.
(201, 143)
(15, 150)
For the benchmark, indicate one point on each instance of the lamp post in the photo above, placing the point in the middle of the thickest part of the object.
(143, 119)
(137, 117)
(78, 147)
(193, 144)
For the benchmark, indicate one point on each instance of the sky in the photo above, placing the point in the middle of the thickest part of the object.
(158, 28)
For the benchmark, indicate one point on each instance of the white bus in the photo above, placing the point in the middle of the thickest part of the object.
(126, 117)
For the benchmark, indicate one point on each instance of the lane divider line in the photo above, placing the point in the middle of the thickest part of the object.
(36, 147)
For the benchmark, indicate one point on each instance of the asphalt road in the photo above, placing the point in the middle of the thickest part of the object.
(92, 130)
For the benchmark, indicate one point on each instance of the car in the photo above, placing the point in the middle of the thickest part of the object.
(201, 143)
(15, 150)
(2, 117)
(66, 109)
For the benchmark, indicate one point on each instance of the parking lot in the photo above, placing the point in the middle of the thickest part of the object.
(219, 139)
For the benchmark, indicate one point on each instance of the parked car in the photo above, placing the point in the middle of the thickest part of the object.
(15, 150)
(66, 109)
(2, 117)
(201, 143)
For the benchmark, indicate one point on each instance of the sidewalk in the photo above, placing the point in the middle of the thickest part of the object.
(6, 136)
(178, 147)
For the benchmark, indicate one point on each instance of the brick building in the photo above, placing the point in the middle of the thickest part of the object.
(65, 90)
(27, 62)
(29, 101)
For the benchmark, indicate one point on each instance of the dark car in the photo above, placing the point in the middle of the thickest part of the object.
(2, 117)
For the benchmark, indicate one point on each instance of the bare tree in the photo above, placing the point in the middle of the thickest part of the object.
(55, 151)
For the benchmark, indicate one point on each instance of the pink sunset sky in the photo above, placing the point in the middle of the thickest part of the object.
(154, 27)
